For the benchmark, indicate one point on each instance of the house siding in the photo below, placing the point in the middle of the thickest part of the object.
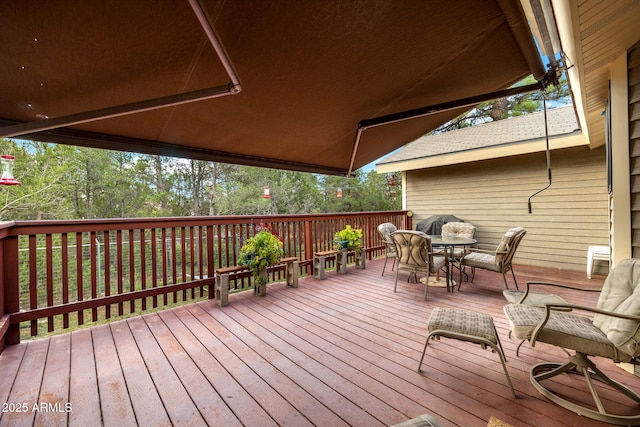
(633, 64)
(566, 218)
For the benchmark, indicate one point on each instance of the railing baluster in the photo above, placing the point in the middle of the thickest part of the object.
(174, 258)
(33, 281)
(94, 270)
(183, 259)
(79, 281)
(143, 266)
(154, 265)
(192, 259)
(49, 277)
(64, 243)
(120, 260)
(132, 270)
(107, 271)
(165, 274)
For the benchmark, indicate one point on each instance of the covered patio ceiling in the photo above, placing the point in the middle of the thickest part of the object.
(145, 76)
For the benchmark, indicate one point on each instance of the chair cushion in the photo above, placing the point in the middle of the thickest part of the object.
(424, 420)
(438, 263)
(538, 299)
(412, 250)
(463, 322)
(505, 243)
(481, 260)
(563, 329)
(621, 294)
(458, 229)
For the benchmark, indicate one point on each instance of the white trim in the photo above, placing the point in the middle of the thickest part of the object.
(484, 154)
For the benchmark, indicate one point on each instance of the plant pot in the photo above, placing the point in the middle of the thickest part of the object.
(341, 244)
(260, 286)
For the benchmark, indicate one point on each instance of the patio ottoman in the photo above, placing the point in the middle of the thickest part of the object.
(465, 325)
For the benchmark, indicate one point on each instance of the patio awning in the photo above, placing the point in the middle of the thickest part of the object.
(309, 72)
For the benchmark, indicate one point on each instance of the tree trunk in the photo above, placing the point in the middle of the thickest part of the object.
(499, 109)
(213, 190)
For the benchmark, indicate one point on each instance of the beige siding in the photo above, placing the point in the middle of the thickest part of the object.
(633, 63)
(566, 218)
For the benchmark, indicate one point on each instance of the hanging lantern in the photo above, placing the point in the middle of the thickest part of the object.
(339, 195)
(266, 193)
(7, 171)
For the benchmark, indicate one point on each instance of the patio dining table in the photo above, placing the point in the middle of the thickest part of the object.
(450, 243)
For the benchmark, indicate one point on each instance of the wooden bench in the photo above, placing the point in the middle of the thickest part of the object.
(320, 258)
(319, 262)
(222, 278)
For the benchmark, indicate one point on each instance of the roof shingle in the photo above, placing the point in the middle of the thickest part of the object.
(528, 127)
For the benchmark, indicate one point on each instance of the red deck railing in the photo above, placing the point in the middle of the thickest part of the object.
(54, 274)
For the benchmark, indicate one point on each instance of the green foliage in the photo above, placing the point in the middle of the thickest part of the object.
(351, 235)
(517, 105)
(67, 182)
(259, 252)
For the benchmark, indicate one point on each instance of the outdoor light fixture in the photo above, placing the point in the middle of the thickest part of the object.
(339, 195)
(266, 192)
(7, 171)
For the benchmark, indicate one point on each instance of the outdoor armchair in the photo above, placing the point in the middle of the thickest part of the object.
(498, 259)
(539, 299)
(611, 330)
(415, 254)
(385, 231)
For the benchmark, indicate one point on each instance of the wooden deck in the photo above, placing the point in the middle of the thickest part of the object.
(342, 351)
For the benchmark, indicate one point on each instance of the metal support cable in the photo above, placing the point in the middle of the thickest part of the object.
(548, 152)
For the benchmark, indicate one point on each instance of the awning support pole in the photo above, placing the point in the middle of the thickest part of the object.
(437, 108)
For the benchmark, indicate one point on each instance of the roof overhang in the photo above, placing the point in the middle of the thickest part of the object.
(309, 73)
(594, 34)
(575, 139)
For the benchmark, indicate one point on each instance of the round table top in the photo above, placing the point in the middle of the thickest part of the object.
(438, 240)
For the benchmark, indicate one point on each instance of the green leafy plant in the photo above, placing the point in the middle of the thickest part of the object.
(351, 235)
(259, 252)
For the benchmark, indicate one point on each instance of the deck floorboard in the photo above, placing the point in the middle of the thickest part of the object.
(337, 352)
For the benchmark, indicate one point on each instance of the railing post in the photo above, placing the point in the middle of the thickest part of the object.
(308, 245)
(10, 291)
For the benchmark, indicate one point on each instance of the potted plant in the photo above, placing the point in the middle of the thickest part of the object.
(348, 238)
(259, 252)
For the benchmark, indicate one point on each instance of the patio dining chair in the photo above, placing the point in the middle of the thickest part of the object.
(385, 231)
(458, 229)
(498, 259)
(415, 254)
(611, 330)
